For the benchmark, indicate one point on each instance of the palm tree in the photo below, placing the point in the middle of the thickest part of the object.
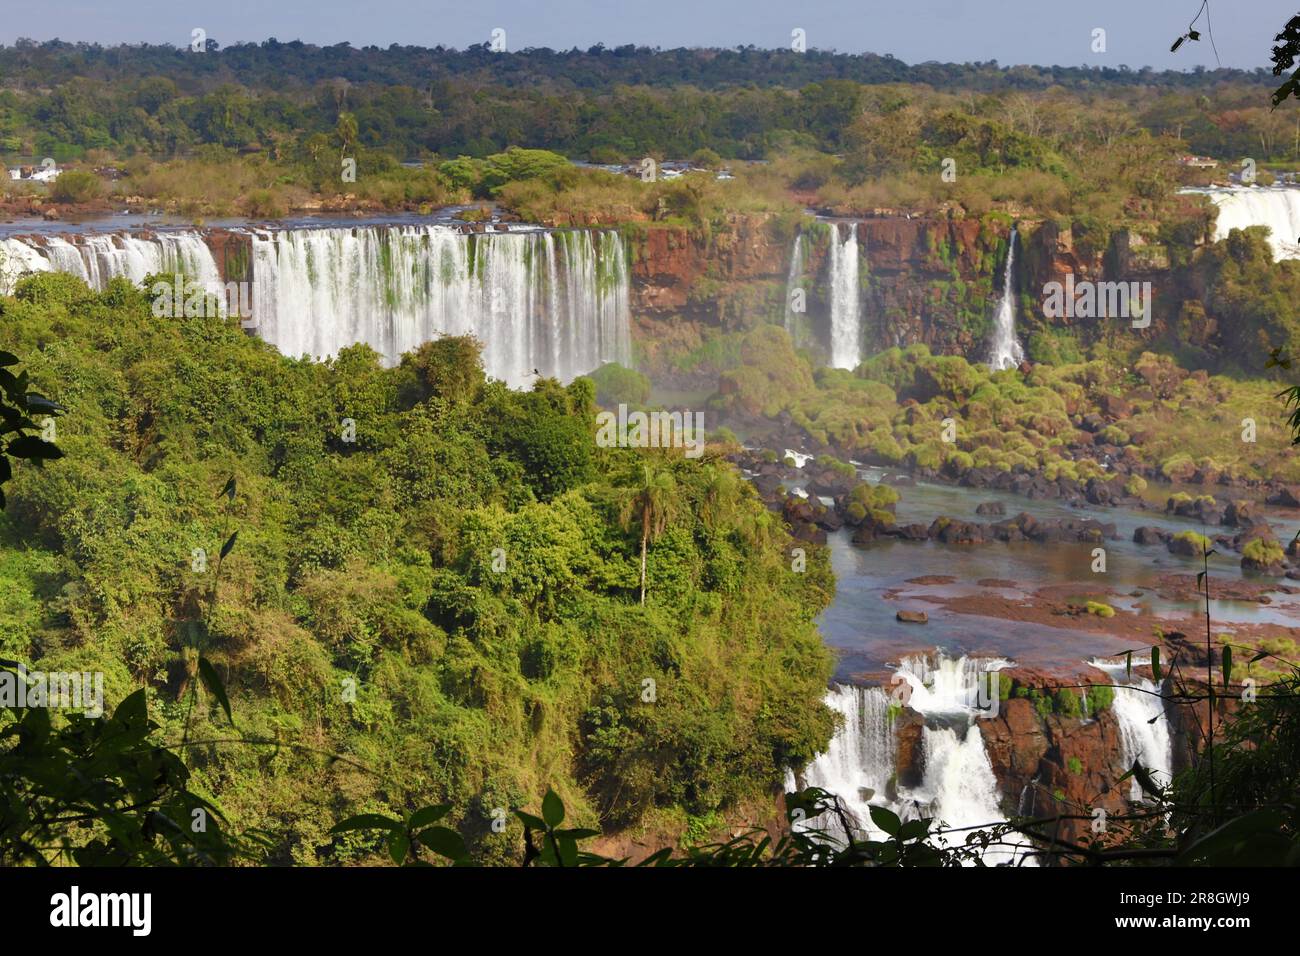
(345, 131)
(652, 506)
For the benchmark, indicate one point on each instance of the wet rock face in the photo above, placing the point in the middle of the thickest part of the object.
(233, 253)
(669, 260)
(1044, 763)
(722, 276)
(909, 728)
(1038, 758)
(905, 256)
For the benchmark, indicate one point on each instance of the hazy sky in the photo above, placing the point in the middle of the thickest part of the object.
(1138, 32)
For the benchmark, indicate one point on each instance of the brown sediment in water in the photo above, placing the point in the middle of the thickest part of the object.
(1184, 587)
(1051, 610)
(932, 579)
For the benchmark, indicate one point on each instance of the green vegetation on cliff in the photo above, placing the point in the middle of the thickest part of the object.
(449, 602)
(894, 408)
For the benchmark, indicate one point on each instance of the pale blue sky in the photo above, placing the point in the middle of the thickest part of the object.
(1138, 32)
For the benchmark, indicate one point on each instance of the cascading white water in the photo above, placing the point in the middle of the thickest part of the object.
(1006, 351)
(958, 786)
(98, 259)
(858, 765)
(944, 685)
(1143, 727)
(792, 280)
(17, 259)
(1277, 207)
(554, 302)
(846, 322)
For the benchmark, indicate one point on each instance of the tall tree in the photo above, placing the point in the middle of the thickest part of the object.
(652, 507)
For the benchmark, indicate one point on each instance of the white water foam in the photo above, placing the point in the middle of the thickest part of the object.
(958, 786)
(1277, 207)
(1143, 727)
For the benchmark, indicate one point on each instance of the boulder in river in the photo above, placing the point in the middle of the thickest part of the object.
(951, 531)
(1241, 514)
(1189, 544)
(1147, 534)
(991, 508)
(913, 617)
(908, 532)
(1288, 496)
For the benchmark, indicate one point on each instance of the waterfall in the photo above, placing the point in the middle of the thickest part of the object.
(958, 786)
(846, 324)
(792, 280)
(1143, 727)
(1006, 351)
(555, 302)
(1277, 207)
(944, 685)
(97, 259)
(16, 259)
(858, 765)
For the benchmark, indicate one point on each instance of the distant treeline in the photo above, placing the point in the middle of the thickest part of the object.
(276, 65)
(65, 100)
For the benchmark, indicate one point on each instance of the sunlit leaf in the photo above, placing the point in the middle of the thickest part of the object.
(886, 819)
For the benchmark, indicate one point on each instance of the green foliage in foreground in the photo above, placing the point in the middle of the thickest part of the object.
(1234, 806)
(445, 610)
(99, 793)
(17, 424)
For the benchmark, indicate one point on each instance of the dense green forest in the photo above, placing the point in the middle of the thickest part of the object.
(61, 99)
(450, 602)
(319, 590)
